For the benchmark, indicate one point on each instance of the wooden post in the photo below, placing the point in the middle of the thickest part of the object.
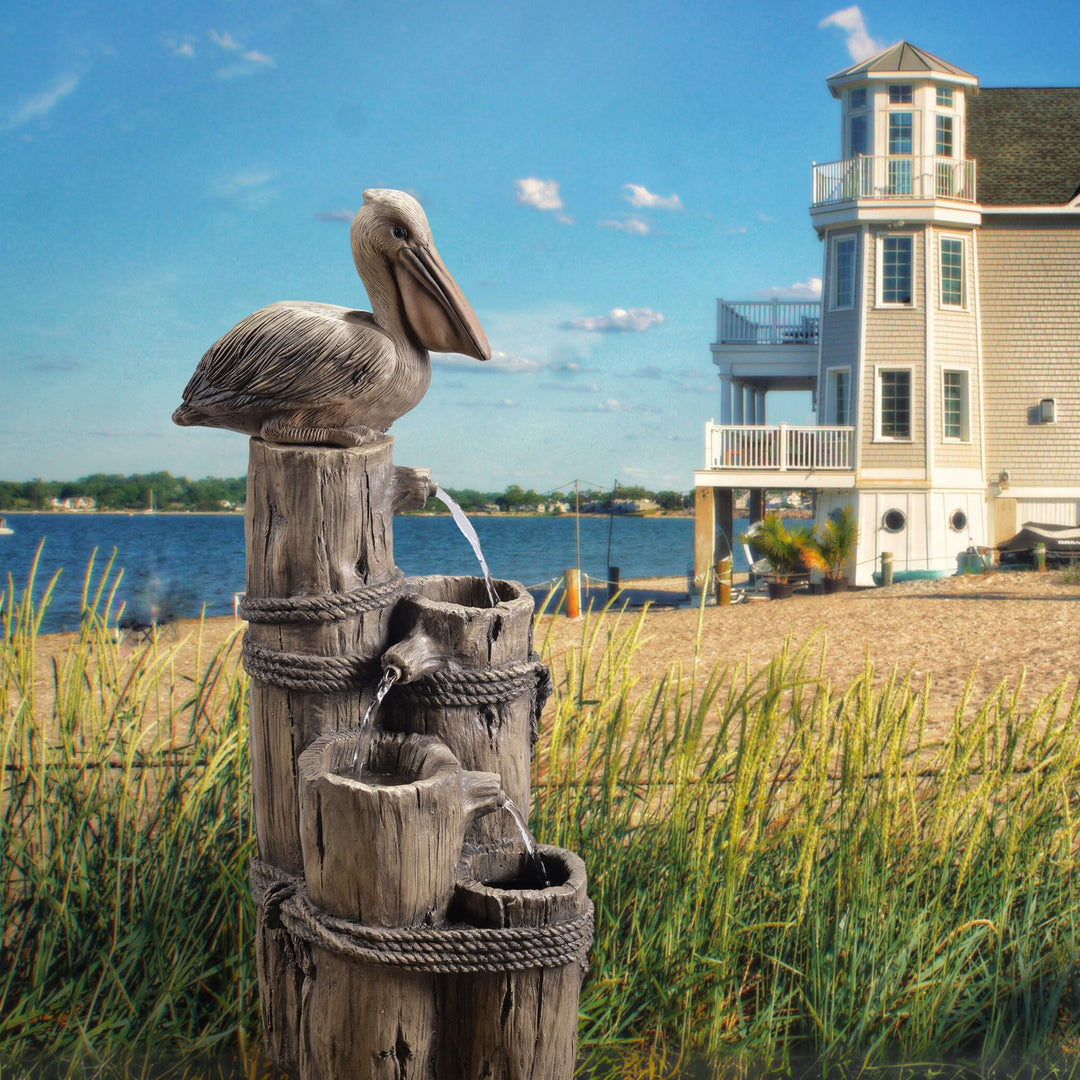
(572, 589)
(704, 534)
(519, 1025)
(723, 581)
(381, 848)
(444, 624)
(318, 525)
(886, 567)
(1039, 557)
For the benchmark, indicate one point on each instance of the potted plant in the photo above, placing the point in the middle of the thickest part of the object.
(835, 545)
(786, 551)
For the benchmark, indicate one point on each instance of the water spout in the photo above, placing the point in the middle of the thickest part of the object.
(363, 739)
(467, 530)
(528, 840)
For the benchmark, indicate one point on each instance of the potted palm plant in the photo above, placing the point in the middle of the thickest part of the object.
(785, 549)
(835, 545)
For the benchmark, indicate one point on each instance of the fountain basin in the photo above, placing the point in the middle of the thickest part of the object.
(381, 836)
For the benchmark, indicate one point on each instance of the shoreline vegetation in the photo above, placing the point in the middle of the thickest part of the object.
(162, 493)
(800, 858)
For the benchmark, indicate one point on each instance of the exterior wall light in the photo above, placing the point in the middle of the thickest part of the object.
(1046, 410)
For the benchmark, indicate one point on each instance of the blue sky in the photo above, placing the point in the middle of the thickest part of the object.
(595, 175)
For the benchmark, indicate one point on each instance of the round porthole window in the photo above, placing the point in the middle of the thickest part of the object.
(894, 521)
(958, 521)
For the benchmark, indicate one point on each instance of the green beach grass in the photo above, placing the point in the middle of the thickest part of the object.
(783, 874)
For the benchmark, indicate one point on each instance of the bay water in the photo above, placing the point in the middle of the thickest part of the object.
(177, 565)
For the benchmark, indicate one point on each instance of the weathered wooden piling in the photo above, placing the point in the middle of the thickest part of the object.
(321, 583)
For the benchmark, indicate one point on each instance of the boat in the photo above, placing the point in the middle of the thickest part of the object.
(5, 529)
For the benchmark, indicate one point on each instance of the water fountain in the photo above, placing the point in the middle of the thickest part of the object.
(405, 928)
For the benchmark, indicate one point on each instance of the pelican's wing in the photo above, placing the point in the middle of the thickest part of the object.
(291, 354)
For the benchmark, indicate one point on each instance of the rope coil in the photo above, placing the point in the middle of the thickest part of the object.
(302, 671)
(443, 950)
(332, 607)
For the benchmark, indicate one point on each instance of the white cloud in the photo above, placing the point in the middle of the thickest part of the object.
(860, 44)
(335, 215)
(185, 48)
(634, 225)
(617, 320)
(765, 217)
(543, 194)
(226, 41)
(801, 290)
(256, 57)
(505, 362)
(639, 196)
(35, 106)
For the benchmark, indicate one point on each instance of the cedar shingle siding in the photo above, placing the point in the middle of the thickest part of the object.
(1030, 296)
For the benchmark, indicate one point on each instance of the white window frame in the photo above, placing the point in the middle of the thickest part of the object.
(965, 405)
(832, 416)
(835, 303)
(879, 289)
(879, 370)
(945, 97)
(860, 103)
(942, 303)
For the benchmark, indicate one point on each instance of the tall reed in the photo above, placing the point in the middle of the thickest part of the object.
(781, 869)
(125, 838)
(786, 871)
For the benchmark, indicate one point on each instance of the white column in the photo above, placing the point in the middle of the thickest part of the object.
(738, 404)
(759, 407)
(725, 399)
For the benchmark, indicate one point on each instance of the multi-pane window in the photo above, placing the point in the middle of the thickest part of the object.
(945, 97)
(843, 295)
(955, 405)
(900, 133)
(897, 259)
(839, 396)
(858, 98)
(952, 271)
(894, 403)
(858, 135)
(943, 144)
(900, 94)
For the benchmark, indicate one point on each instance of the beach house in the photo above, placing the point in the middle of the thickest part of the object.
(943, 359)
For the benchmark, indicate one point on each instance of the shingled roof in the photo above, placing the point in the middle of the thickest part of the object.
(1026, 141)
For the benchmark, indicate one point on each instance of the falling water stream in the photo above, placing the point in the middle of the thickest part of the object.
(363, 738)
(529, 841)
(467, 530)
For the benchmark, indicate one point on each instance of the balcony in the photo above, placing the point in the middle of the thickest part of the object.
(758, 455)
(767, 322)
(904, 178)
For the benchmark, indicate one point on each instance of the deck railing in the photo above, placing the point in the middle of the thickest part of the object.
(779, 447)
(767, 322)
(906, 177)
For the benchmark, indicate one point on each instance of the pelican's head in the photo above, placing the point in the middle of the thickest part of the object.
(393, 251)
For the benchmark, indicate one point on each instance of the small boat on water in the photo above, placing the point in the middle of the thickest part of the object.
(5, 529)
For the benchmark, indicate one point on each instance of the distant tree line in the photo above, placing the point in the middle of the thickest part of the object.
(518, 500)
(115, 492)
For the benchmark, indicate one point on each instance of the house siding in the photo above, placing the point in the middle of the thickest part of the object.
(1029, 279)
(839, 330)
(956, 347)
(895, 337)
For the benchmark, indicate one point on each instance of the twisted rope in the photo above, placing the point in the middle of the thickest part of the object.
(302, 671)
(475, 686)
(329, 608)
(445, 950)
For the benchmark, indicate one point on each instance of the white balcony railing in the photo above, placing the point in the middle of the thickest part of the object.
(779, 447)
(767, 322)
(894, 178)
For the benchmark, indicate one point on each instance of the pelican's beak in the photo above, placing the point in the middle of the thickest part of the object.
(435, 308)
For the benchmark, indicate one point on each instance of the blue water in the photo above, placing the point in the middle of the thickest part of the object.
(175, 564)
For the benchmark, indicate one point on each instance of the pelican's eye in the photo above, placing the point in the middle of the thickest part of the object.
(399, 232)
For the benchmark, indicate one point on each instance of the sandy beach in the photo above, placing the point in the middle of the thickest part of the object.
(1000, 628)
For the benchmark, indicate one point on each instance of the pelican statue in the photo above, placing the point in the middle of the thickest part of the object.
(301, 372)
